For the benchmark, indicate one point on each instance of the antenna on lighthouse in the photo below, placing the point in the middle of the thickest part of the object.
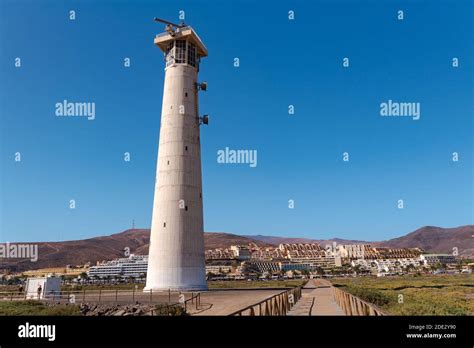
(156, 19)
(170, 26)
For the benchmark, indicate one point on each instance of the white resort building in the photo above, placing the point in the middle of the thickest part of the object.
(132, 266)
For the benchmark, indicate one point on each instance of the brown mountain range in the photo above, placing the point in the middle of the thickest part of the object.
(58, 254)
(290, 240)
(437, 240)
(77, 252)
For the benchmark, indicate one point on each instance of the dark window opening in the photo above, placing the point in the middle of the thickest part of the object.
(168, 162)
(186, 148)
(186, 94)
(192, 54)
(169, 54)
(200, 195)
(186, 208)
(180, 51)
(164, 224)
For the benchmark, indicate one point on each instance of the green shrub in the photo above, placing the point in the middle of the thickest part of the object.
(370, 295)
(169, 310)
(32, 307)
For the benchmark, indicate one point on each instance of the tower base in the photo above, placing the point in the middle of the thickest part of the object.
(176, 279)
(186, 288)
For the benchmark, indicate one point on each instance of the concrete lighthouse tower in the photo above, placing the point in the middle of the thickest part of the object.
(176, 255)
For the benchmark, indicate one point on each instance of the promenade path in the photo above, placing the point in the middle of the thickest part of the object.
(225, 302)
(317, 299)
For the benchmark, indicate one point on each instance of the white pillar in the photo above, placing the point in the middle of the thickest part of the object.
(176, 255)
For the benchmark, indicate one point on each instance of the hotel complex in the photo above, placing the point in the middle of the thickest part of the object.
(134, 266)
(252, 261)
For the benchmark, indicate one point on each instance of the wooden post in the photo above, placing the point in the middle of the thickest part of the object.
(367, 310)
(100, 294)
(133, 295)
(354, 304)
(351, 310)
(348, 304)
(344, 300)
(358, 304)
(151, 295)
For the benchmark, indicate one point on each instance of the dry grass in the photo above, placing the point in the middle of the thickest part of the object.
(423, 295)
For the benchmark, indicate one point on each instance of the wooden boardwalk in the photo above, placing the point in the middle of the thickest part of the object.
(317, 299)
(225, 302)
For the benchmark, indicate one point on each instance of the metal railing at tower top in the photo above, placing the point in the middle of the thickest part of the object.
(277, 305)
(352, 305)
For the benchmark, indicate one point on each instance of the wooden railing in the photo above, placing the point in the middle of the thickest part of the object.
(352, 305)
(277, 305)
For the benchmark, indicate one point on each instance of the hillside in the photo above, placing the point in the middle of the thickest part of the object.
(437, 240)
(279, 240)
(59, 254)
(429, 238)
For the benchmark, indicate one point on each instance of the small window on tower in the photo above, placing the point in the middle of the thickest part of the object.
(186, 148)
(186, 94)
(164, 224)
(186, 208)
(168, 162)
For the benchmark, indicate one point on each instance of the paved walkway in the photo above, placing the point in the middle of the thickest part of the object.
(224, 302)
(316, 299)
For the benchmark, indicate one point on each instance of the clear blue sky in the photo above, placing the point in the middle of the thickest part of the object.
(282, 62)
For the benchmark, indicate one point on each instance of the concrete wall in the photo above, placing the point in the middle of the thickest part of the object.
(176, 256)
